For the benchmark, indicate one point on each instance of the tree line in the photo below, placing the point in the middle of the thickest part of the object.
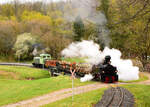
(129, 23)
(26, 26)
(44, 27)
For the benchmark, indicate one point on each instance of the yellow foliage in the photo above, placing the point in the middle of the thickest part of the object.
(55, 14)
(113, 1)
(3, 18)
(13, 18)
(28, 16)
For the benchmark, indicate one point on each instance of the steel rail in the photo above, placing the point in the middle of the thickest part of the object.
(119, 91)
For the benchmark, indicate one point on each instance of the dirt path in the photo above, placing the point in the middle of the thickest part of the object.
(8, 74)
(61, 94)
(147, 82)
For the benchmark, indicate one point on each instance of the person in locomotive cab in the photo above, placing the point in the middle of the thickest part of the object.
(108, 72)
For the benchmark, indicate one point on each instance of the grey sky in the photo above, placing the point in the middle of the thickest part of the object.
(9, 1)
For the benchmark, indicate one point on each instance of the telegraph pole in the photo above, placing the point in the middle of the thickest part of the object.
(72, 78)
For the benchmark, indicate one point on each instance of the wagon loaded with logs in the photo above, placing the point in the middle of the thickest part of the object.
(64, 67)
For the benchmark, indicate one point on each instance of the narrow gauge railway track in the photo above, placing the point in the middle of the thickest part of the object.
(22, 64)
(116, 97)
(17, 64)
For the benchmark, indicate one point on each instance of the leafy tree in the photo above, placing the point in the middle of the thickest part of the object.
(6, 10)
(3, 18)
(104, 7)
(79, 29)
(8, 32)
(129, 25)
(24, 45)
(37, 6)
(33, 15)
(36, 27)
(54, 44)
(36, 23)
(59, 24)
(40, 24)
(140, 43)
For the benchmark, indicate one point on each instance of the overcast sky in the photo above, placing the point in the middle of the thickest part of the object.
(9, 1)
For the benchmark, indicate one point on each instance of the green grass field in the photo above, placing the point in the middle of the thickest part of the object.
(83, 100)
(20, 83)
(22, 73)
(141, 94)
(13, 90)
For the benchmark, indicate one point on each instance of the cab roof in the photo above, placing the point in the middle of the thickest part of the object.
(45, 55)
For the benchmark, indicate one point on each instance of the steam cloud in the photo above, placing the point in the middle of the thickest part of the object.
(91, 51)
(87, 77)
(84, 49)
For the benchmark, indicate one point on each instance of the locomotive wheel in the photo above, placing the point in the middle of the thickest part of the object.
(51, 72)
(102, 77)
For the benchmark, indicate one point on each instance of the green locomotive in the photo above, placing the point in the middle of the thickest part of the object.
(40, 61)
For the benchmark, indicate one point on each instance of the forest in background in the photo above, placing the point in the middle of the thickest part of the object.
(29, 26)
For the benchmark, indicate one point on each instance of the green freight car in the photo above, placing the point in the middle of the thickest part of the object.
(40, 61)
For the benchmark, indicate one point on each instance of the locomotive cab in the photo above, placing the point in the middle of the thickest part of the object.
(40, 61)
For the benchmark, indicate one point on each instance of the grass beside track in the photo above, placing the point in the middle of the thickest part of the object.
(22, 73)
(12, 91)
(83, 100)
(141, 94)
(16, 89)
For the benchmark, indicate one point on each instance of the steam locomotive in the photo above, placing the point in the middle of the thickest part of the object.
(108, 72)
(103, 72)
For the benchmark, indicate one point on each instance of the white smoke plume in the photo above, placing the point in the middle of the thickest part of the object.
(87, 77)
(91, 51)
(87, 10)
(87, 49)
